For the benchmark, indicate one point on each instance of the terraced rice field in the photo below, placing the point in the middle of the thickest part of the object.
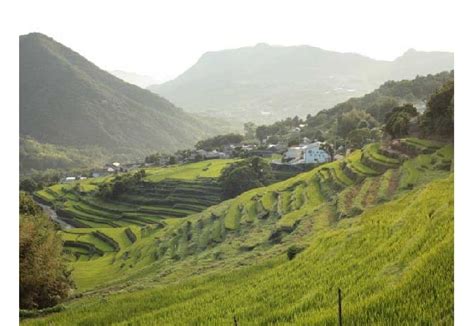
(392, 260)
(182, 226)
(167, 192)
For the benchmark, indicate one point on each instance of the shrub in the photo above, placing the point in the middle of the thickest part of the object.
(44, 277)
(130, 235)
(293, 250)
(245, 175)
(105, 238)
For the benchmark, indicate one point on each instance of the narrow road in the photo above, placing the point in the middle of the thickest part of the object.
(52, 214)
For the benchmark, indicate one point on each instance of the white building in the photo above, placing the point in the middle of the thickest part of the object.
(310, 153)
(314, 154)
(293, 153)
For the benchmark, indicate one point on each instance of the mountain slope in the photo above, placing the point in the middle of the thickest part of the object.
(271, 82)
(393, 261)
(67, 100)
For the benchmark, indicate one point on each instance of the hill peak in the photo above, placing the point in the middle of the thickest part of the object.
(67, 100)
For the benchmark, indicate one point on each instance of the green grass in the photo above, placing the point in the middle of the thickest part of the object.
(166, 192)
(357, 166)
(372, 150)
(425, 142)
(394, 264)
(230, 259)
(203, 169)
(386, 182)
(423, 168)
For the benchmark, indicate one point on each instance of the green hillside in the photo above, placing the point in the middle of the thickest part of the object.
(379, 227)
(368, 111)
(164, 193)
(67, 101)
(265, 83)
(40, 156)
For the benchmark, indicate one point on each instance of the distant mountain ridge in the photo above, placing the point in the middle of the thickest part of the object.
(66, 100)
(266, 83)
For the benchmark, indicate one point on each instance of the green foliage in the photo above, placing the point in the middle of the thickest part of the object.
(293, 251)
(439, 116)
(239, 84)
(398, 120)
(357, 138)
(28, 185)
(28, 205)
(67, 101)
(42, 156)
(397, 257)
(25, 313)
(219, 141)
(172, 273)
(120, 184)
(153, 158)
(369, 111)
(278, 128)
(245, 175)
(381, 101)
(172, 160)
(44, 279)
(352, 120)
(250, 130)
(144, 197)
(44, 178)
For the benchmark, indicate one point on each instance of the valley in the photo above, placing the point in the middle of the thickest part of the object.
(350, 223)
(255, 188)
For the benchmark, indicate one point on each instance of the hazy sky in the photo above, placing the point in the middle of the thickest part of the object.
(164, 38)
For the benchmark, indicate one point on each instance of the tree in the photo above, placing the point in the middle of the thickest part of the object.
(245, 175)
(28, 185)
(219, 141)
(294, 141)
(261, 132)
(153, 159)
(438, 118)
(273, 139)
(358, 137)
(44, 279)
(172, 160)
(352, 120)
(120, 184)
(397, 121)
(250, 129)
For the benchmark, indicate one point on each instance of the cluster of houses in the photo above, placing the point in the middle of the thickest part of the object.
(108, 168)
(227, 151)
(306, 153)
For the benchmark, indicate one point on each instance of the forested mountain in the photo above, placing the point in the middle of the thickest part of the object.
(66, 100)
(265, 83)
(363, 112)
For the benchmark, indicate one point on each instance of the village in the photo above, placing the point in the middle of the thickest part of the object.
(300, 157)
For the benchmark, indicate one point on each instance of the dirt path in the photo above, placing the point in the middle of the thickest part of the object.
(52, 214)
